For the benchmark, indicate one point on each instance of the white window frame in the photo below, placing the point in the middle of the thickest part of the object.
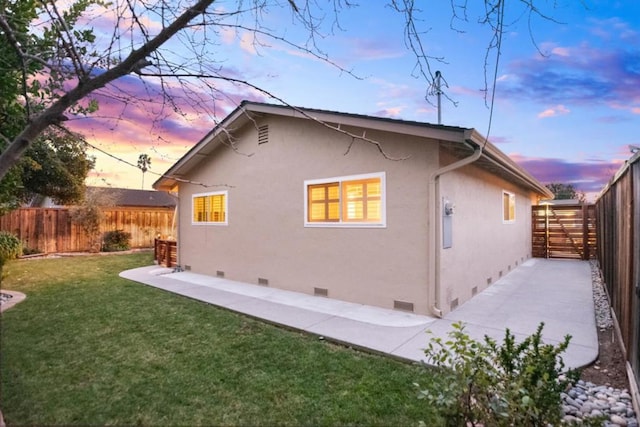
(348, 224)
(512, 198)
(212, 193)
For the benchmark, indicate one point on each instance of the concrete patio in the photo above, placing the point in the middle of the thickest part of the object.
(556, 292)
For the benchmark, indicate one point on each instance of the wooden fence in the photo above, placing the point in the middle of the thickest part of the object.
(564, 231)
(618, 224)
(51, 230)
(165, 252)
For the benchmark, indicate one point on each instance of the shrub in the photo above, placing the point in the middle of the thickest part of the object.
(117, 240)
(30, 251)
(10, 248)
(484, 383)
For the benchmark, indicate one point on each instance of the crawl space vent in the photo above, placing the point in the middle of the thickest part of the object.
(262, 281)
(187, 268)
(219, 273)
(403, 305)
(454, 304)
(321, 292)
(474, 291)
(263, 134)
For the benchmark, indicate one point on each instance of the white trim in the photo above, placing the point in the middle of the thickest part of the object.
(226, 208)
(513, 197)
(340, 224)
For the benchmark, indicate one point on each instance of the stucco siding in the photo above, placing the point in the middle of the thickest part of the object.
(484, 247)
(266, 238)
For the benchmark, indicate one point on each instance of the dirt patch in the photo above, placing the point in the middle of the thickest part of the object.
(610, 367)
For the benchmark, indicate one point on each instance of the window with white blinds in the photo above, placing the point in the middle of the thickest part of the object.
(209, 208)
(356, 200)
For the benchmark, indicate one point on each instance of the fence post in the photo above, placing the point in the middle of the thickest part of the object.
(585, 233)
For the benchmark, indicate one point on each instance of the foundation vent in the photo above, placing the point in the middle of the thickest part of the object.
(474, 291)
(321, 292)
(454, 304)
(500, 273)
(263, 134)
(403, 305)
(262, 281)
(187, 267)
(489, 280)
(219, 273)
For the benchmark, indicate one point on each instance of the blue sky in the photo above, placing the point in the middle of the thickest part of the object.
(567, 96)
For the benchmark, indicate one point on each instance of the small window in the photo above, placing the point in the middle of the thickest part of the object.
(346, 201)
(508, 207)
(210, 208)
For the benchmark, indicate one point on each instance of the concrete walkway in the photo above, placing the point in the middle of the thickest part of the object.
(557, 292)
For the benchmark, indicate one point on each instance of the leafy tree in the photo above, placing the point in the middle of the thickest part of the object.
(566, 192)
(54, 67)
(56, 163)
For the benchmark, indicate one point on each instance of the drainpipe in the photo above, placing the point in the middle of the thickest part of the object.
(435, 224)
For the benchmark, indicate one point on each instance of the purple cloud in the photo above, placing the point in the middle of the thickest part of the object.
(588, 176)
(581, 75)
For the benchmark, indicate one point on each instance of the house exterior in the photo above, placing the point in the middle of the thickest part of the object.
(383, 212)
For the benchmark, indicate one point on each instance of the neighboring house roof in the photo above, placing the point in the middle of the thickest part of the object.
(139, 198)
(461, 141)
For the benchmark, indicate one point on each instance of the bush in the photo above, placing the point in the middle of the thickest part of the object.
(117, 240)
(10, 247)
(484, 383)
(30, 251)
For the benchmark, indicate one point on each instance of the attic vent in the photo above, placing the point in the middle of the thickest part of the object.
(321, 292)
(263, 281)
(263, 134)
(403, 305)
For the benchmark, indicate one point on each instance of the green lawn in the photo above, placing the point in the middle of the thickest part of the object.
(87, 347)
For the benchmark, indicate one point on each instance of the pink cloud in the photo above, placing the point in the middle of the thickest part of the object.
(587, 176)
(558, 110)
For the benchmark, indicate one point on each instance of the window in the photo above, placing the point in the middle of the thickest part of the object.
(356, 201)
(508, 207)
(210, 208)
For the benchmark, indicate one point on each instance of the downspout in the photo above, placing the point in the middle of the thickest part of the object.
(435, 223)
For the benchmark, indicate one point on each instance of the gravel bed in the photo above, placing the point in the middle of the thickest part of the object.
(586, 399)
(5, 298)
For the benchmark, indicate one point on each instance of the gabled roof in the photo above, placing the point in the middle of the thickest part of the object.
(460, 141)
(129, 197)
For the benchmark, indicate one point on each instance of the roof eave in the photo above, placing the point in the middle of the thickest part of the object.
(500, 159)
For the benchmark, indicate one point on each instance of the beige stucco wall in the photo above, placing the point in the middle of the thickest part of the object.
(266, 237)
(484, 247)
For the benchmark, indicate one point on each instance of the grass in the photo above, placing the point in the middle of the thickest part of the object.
(89, 348)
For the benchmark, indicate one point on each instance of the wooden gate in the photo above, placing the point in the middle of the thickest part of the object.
(564, 231)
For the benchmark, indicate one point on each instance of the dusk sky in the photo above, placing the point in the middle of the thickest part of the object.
(567, 95)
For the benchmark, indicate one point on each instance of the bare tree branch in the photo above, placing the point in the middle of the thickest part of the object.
(53, 113)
